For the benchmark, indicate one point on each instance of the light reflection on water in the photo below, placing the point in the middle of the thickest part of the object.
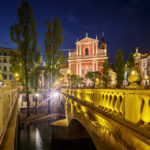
(37, 137)
(38, 140)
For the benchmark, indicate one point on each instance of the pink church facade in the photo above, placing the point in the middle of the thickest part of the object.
(88, 56)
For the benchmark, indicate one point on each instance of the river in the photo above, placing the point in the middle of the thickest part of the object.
(37, 137)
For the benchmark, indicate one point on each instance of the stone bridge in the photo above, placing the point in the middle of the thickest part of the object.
(8, 118)
(113, 119)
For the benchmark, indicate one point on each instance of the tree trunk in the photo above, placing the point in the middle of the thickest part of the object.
(27, 90)
(49, 109)
(28, 104)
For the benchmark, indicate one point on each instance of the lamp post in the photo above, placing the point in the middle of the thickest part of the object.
(17, 78)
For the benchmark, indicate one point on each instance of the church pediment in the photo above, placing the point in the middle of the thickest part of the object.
(87, 39)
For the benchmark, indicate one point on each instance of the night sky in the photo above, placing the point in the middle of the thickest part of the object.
(125, 23)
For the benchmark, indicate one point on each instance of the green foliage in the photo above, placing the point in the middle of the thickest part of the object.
(54, 58)
(105, 73)
(75, 79)
(119, 68)
(35, 71)
(7, 82)
(1, 75)
(93, 76)
(130, 63)
(24, 35)
(1, 71)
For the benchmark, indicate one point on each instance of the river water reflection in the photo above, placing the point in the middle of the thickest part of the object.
(37, 137)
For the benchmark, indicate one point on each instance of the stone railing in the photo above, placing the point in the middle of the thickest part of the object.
(131, 105)
(8, 98)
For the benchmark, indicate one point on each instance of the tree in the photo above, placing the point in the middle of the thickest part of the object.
(35, 74)
(119, 68)
(24, 35)
(93, 76)
(105, 73)
(35, 71)
(130, 63)
(75, 79)
(1, 75)
(54, 58)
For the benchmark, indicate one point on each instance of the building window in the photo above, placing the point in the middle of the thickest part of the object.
(10, 77)
(5, 61)
(82, 71)
(5, 76)
(86, 51)
(73, 71)
(24, 98)
(0, 60)
(5, 68)
(5, 54)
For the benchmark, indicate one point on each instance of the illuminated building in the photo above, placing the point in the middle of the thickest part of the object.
(5, 65)
(142, 62)
(137, 57)
(112, 78)
(145, 70)
(64, 78)
(88, 56)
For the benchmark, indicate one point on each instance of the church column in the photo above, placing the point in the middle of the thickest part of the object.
(77, 49)
(77, 69)
(96, 48)
(97, 66)
(93, 48)
(93, 66)
(80, 69)
(80, 49)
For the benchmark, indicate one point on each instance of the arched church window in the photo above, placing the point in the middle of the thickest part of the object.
(86, 51)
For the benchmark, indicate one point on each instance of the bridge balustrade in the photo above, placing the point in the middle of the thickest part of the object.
(131, 105)
(8, 99)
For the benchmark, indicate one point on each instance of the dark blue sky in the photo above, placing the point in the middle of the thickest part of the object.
(126, 23)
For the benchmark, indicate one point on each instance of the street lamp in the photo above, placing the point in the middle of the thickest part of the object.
(68, 71)
(17, 78)
(133, 72)
(16, 74)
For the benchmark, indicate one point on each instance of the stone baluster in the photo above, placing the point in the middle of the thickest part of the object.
(145, 110)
